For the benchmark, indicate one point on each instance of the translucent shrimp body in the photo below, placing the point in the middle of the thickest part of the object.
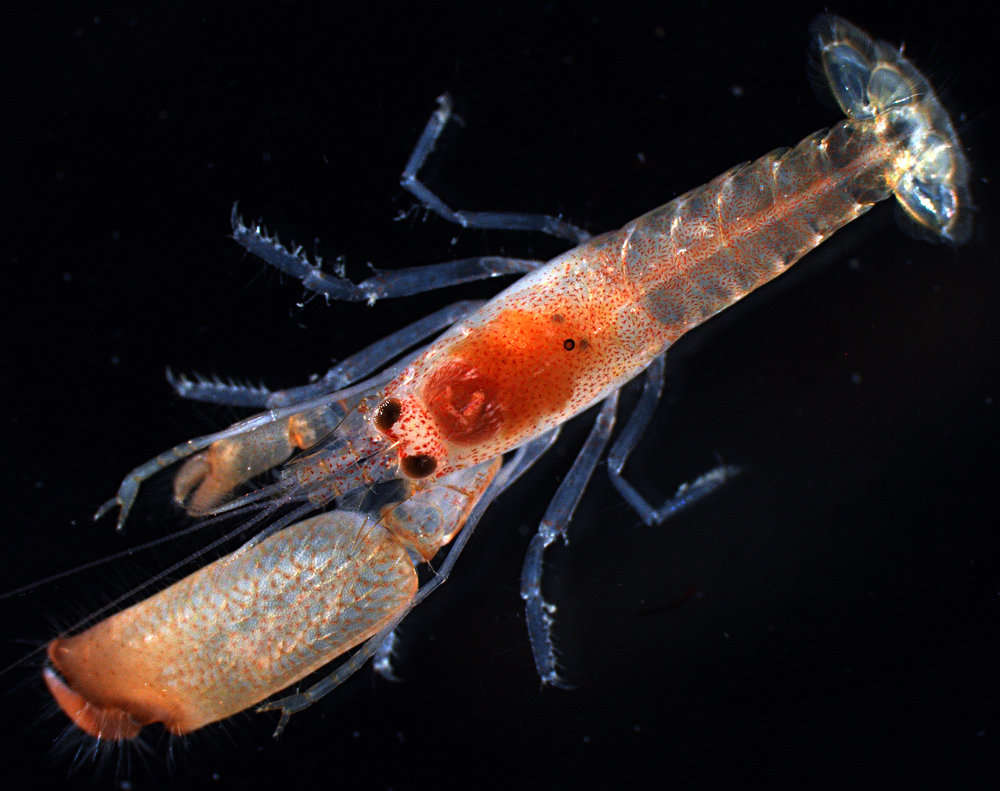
(567, 335)
(412, 455)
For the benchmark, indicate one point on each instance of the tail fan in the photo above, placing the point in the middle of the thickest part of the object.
(872, 80)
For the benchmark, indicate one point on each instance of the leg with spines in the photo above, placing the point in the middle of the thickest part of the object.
(539, 613)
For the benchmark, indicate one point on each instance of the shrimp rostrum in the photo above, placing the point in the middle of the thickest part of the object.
(396, 453)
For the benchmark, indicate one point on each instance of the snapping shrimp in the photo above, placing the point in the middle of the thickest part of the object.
(402, 454)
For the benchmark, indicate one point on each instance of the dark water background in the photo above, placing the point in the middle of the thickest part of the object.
(832, 613)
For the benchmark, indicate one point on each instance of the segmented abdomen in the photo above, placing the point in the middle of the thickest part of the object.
(708, 248)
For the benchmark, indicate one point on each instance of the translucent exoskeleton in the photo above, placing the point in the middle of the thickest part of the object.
(401, 451)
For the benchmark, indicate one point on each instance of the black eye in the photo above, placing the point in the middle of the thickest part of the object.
(419, 466)
(569, 344)
(387, 413)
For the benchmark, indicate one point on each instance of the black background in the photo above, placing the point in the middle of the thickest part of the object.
(832, 613)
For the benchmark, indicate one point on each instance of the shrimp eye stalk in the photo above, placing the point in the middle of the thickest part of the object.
(419, 466)
(387, 413)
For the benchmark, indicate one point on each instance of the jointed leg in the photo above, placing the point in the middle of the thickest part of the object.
(560, 511)
(687, 493)
(411, 280)
(347, 371)
(384, 284)
(217, 391)
(371, 358)
(554, 523)
(510, 221)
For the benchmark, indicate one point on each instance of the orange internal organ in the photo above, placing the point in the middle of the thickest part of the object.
(498, 381)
